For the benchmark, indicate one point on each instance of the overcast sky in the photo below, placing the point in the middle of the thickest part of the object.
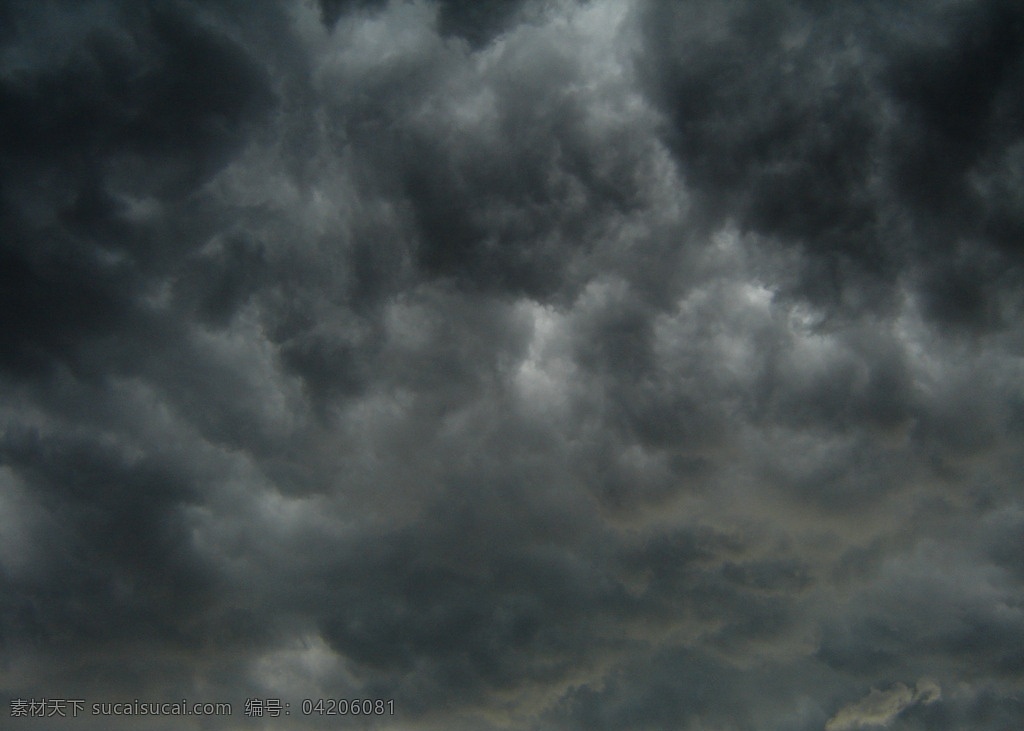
(556, 366)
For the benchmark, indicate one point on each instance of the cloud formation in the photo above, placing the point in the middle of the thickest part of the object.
(546, 365)
(879, 708)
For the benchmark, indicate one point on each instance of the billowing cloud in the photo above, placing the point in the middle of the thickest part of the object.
(589, 364)
(879, 708)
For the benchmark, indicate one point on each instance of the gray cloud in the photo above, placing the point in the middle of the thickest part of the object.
(569, 365)
(879, 707)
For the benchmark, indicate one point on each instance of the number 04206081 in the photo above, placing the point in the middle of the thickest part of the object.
(348, 707)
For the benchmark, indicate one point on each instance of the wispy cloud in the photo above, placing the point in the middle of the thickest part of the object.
(880, 708)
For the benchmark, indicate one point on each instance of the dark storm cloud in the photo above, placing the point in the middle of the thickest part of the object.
(125, 114)
(535, 365)
(117, 550)
(808, 125)
(477, 23)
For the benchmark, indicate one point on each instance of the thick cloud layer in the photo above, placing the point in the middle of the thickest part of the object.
(563, 365)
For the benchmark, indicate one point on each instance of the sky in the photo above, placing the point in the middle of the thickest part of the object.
(548, 366)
